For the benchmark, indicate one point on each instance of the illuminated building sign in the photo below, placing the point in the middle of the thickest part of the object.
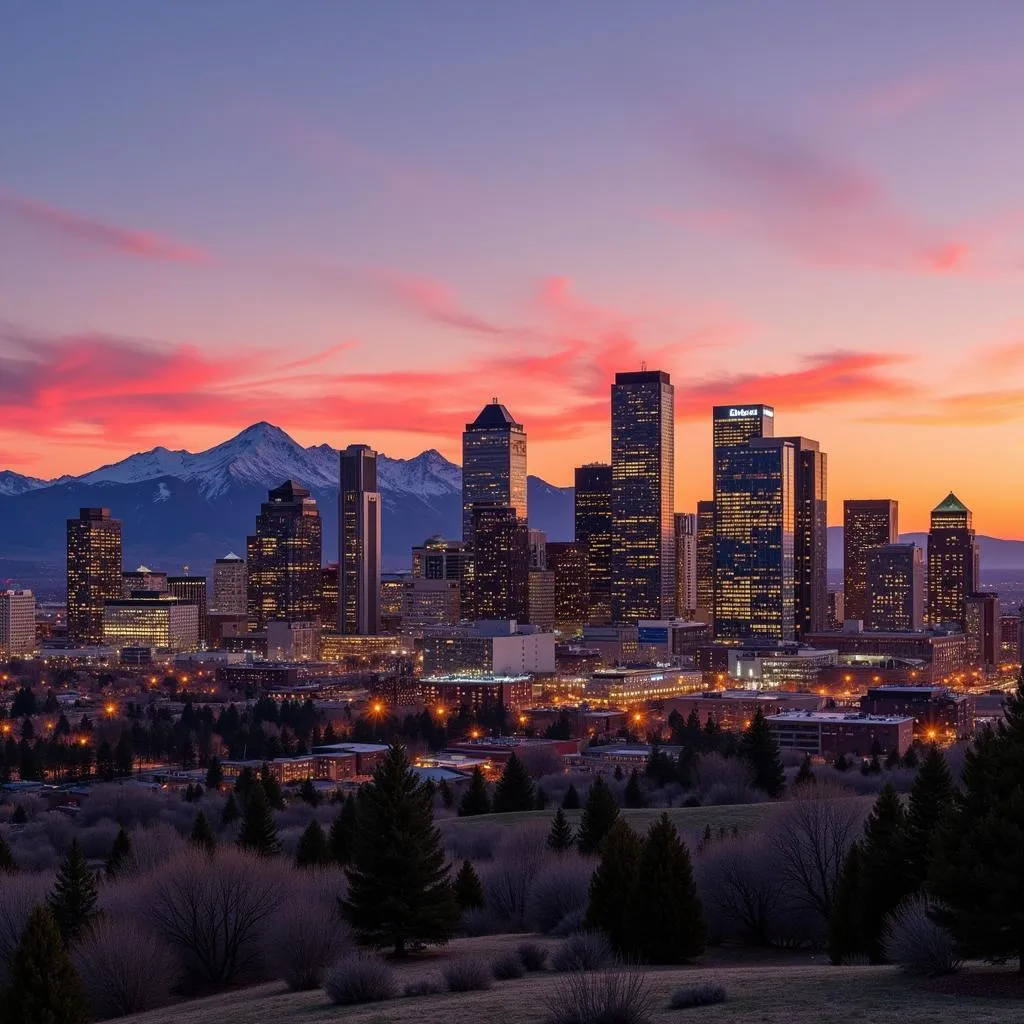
(747, 413)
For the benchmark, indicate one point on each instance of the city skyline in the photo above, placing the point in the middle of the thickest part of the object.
(246, 249)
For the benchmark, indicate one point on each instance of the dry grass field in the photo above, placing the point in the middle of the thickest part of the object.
(772, 990)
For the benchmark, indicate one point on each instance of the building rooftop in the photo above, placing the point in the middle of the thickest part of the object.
(494, 416)
(833, 717)
(951, 503)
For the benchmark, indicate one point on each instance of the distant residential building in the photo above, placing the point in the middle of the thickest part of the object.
(541, 599)
(867, 524)
(895, 588)
(836, 609)
(191, 590)
(953, 562)
(159, 621)
(359, 542)
(686, 565)
(593, 517)
(229, 585)
(93, 572)
(284, 558)
(17, 623)
(983, 629)
(493, 465)
(143, 578)
(829, 734)
(733, 710)
(568, 561)
(501, 564)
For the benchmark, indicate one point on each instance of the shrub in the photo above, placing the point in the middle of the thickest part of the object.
(915, 942)
(303, 940)
(573, 922)
(507, 967)
(532, 956)
(507, 882)
(471, 974)
(611, 997)
(423, 987)
(124, 968)
(359, 978)
(586, 951)
(702, 993)
(559, 888)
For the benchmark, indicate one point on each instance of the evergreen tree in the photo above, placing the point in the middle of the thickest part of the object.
(571, 800)
(447, 797)
(514, 791)
(258, 832)
(313, 849)
(599, 814)
(611, 907)
(308, 793)
(665, 899)
(73, 900)
(805, 775)
(399, 887)
(244, 782)
(7, 865)
(231, 812)
(43, 986)
(120, 853)
(214, 774)
(977, 867)
(844, 932)
(468, 891)
(759, 749)
(271, 788)
(685, 765)
(560, 837)
(841, 763)
(124, 756)
(475, 800)
(618, 773)
(19, 817)
(892, 760)
(634, 795)
(343, 831)
(202, 835)
(910, 758)
(931, 801)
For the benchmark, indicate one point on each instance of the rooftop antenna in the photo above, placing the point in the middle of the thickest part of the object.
(643, 365)
(495, 399)
(185, 570)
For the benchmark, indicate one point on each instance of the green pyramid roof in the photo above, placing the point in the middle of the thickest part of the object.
(951, 503)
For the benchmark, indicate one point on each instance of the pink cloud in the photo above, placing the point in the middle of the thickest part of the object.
(73, 227)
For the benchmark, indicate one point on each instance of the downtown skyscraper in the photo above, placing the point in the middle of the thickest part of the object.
(867, 524)
(93, 572)
(359, 542)
(643, 497)
(593, 528)
(895, 588)
(493, 464)
(953, 562)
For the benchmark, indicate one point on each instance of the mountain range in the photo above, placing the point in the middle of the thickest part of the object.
(183, 508)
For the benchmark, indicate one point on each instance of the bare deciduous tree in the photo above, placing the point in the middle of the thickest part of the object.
(303, 941)
(19, 894)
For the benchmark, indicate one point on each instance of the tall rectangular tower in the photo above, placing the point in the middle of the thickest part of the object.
(191, 590)
(501, 564)
(493, 464)
(359, 538)
(867, 523)
(643, 496)
(229, 585)
(686, 565)
(895, 588)
(705, 560)
(593, 498)
(953, 562)
(93, 572)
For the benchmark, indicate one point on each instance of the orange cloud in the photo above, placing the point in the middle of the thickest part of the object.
(73, 227)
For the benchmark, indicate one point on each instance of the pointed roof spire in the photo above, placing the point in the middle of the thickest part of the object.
(951, 503)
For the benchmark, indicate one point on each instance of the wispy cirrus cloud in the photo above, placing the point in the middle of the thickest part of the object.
(67, 226)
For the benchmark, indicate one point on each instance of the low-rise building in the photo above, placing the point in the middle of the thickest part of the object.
(946, 651)
(477, 692)
(670, 639)
(489, 648)
(799, 667)
(293, 641)
(626, 687)
(733, 710)
(830, 733)
(151, 619)
(939, 714)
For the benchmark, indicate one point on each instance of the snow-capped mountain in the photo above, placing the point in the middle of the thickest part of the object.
(179, 506)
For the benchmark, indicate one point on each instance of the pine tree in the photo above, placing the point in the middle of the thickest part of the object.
(308, 793)
(977, 867)
(231, 812)
(665, 899)
(447, 797)
(514, 791)
(7, 865)
(910, 758)
(634, 795)
(759, 749)
(343, 830)
(313, 849)
(214, 774)
(931, 801)
(805, 775)
(19, 817)
(271, 788)
(560, 837)
(611, 907)
(468, 891)
(844, 931)
(599, 814)
(475, 800)
(73, 900)
(571, 800)
(841, 763)
(43, 986)
(399, 886)
(119, 853)
(258, 832)
(202, 835)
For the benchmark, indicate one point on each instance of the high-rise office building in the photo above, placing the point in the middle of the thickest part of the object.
(493, 464)
(501, 560)
(755, 513)
(810, 536)
(593, 513)
(705, 560)
(143, 579)
(733, 426)
(329, 596)
(568, 562)
(17, 623)
(867, 523)
(284, 558)
(983, 628)
(229, 585)
(440, 559)
(643, 496)
(953, 562)
(541, 599)
(895, 588)
(359, 537)
(191, 590)
(686, 565)
(538, 549)
(93, 572)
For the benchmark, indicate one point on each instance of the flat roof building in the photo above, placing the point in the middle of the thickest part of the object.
(831, 733)
(156, 620)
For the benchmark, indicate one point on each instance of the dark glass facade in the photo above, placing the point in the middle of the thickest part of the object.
(953, 563)
(93, 572)
(867, 524)
(359, 518)
(501, 550)
(705, 560)
(594, 529)
(493, 464)
(643, 497)
(895, 588)
(568, 562)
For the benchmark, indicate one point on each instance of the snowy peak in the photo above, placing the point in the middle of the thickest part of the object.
(15, 483)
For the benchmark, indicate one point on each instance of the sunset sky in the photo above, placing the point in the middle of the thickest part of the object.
(362, 221)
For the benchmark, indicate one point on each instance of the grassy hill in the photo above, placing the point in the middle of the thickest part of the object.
(771, 990)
